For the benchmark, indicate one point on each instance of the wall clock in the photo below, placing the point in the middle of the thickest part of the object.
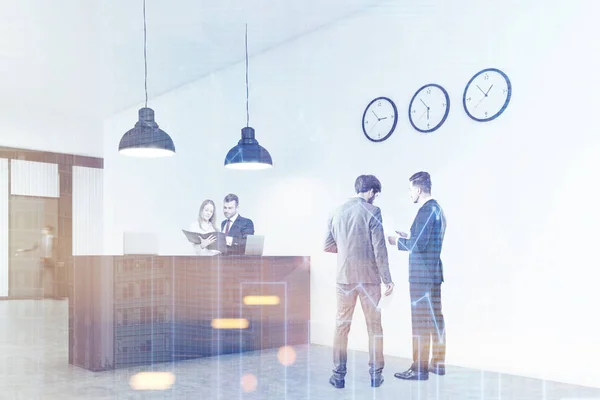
(379, 119)
(487, 95)
(429, 108)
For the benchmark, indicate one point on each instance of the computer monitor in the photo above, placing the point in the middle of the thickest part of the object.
(254, 245)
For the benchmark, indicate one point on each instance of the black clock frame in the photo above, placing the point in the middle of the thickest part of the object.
(393, 126)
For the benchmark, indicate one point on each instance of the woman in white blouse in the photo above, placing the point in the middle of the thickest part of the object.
(205, 224)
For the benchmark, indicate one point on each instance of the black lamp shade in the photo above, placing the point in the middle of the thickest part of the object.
(146, 139)
(248, 154)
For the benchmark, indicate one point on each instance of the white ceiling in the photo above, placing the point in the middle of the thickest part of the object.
(87, 57)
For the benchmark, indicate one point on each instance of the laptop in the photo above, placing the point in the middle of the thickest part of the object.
(254, 245)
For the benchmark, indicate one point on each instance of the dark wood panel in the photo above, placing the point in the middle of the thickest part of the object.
(61, 159)
(163, 307)
(65, 209)
(64, 270)
(91, 338)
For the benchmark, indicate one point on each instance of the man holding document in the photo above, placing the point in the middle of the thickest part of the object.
(235, 227)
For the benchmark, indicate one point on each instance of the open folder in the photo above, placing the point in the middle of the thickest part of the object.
(219, 244)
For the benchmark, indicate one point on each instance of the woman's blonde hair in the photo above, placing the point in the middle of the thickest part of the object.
(212, 218)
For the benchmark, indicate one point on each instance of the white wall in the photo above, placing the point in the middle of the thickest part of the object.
(518, 192)
(32, 127)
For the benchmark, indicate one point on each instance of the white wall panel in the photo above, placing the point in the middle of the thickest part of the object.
(31, 178)
(3, 227)
(87, 211)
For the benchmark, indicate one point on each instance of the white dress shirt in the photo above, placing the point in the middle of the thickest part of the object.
(47, 245)
(232, 219)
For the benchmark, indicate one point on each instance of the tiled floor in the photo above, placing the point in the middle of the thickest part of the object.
(33, 365)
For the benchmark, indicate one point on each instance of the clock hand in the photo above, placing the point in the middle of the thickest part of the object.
(486, 93)
(373, 126)
(479, 101)
(426, 111)
(375, 115)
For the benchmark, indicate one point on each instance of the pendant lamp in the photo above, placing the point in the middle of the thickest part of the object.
(146, 139)
(248, 154)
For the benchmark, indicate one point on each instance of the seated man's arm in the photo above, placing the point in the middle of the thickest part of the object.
(247, 229)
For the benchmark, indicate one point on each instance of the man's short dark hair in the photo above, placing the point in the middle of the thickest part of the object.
(364, 183)
(232, 197)
(422, 180)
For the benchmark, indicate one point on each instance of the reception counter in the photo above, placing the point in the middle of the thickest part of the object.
(133, 310)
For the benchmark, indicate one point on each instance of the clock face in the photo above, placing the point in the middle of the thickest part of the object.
(429, 108)
(487, 94)
(379, 119)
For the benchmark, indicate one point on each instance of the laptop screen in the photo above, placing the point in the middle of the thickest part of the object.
(254, 245)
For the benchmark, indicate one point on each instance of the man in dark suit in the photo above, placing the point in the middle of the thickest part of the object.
(235, 227)
(355, 233)
(425, 280)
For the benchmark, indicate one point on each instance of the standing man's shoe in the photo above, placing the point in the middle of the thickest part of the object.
(437, 368)
(413, 375)
(376, 381)
(337, 383)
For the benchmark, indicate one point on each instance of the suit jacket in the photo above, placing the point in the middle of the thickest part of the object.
(425, 244)
(240, 228)
(356, 235)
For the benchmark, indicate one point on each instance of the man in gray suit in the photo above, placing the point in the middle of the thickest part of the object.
(356, 235)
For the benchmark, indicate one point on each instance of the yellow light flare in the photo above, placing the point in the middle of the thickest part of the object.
(152, 381)
(249, 383)
(286, 355)
(230, 323)
(261, 300)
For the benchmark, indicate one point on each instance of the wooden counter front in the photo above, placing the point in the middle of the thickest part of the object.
(132, 310)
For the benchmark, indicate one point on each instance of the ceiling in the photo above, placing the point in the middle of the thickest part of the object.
(87, 57)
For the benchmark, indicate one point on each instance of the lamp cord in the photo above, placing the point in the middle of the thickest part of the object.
(145, 60)
(247, 91)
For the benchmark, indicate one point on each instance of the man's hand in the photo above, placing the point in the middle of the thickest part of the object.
(393, 240)
(389, 288)
(403, 235)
